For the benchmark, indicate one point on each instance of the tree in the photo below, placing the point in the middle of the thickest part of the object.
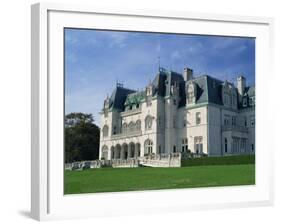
(81, 137)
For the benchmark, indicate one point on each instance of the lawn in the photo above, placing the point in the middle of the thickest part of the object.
(138, 179)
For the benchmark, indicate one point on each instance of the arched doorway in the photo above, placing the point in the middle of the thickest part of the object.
(131, 151)
(124, 151)
(137, 150)
(117, 152)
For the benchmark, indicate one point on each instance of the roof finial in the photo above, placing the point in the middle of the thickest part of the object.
(158, 63)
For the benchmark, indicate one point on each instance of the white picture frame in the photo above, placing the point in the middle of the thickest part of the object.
(48, 201)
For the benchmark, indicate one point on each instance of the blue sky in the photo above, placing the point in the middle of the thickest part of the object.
(95, 60)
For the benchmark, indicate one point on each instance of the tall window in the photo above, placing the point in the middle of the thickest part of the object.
(245, 121)
(234, 121)
(198, 118)
(225, 145)
(184, 146)
(198, 144)
(104, 152)
(148, 144)
(226, 120)
(174, 149)
(148, 122)
(105, 131)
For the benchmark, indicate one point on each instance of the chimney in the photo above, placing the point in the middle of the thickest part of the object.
(241, 84)
(187, 74)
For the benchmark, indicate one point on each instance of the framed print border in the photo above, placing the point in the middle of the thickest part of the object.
(47, 198)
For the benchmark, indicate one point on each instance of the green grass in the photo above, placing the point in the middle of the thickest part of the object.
(226, 160)
(138, 179)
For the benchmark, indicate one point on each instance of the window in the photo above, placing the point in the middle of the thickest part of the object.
(184, 146)
(245, 121)
(198, 118)
(148, 144)
(252, 101)
(148, 122)
(252, 119)
(174, 149)
(104, 152)
(225, 145)
(233, 121)
(198, 144)
(253, 147)
(226, 120)
(105, 131)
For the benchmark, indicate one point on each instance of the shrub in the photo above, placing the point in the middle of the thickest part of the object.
(224, 160)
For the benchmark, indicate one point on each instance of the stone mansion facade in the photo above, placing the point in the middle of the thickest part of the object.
(179, 113)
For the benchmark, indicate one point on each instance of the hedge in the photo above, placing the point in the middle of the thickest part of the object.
(224, 160)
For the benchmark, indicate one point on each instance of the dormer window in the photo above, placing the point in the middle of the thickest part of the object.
(252, 101)
(191, 93)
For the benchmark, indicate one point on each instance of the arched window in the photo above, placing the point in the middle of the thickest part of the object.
(105, 131)
(131, 126)
(148, 144)
(138, 125)
(148, 122)
(104, 152)
(124, 128)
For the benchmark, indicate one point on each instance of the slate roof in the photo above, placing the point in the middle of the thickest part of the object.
(250, 91)
(118, 97)
(209, 90)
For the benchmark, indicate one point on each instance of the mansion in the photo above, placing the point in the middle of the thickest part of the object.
(179, 113)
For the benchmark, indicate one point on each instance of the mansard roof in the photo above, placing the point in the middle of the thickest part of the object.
(118, 97)
(209, 90)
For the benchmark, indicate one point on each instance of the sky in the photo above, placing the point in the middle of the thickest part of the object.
(95, 60)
